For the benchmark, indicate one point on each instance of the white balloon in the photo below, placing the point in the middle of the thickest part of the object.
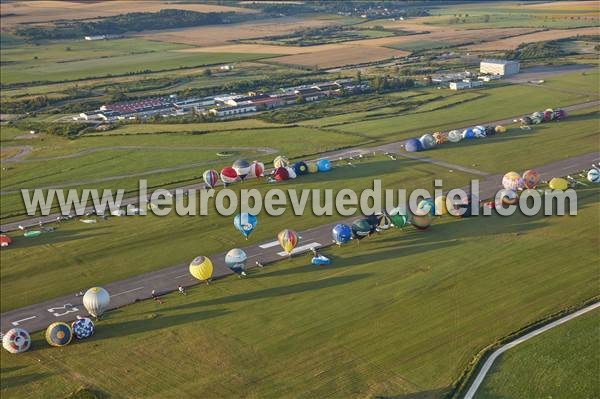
(96, 301)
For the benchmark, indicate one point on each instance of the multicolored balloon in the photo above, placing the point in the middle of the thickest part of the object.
(83, 328)
(16, 340)
(288, 239)
(201, 268)
(291, 172)
(441, 208)
(257, 169)
(427, 141)
(341, 233)
(507, 197)
(242, 168)
(280, 162)
(530, 178)
(229, 175)
(398, 217)
(211, 177)
(426, 205)
(245, 223)
(312, 167)
(59, 334)
(281, 174)
(593, 175)
(236, 260)
(384, 222)
(439, 138)
(422, 220)
(512, 181)
(300, 168)
(96, 301)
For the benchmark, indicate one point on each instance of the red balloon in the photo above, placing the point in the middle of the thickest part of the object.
(229, 175)
(280, 174)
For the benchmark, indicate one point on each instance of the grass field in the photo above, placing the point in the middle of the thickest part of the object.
(293, 330)
(514, 42)
(560, 363)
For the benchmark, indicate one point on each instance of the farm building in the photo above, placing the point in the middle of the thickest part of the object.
(465, 84)
(499, 67)
(225, 112)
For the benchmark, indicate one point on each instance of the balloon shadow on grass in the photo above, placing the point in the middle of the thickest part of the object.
(19, 380)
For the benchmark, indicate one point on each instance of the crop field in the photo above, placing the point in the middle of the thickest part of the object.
(552, 363)
(306, 331)
(45, 11)
(514, 42)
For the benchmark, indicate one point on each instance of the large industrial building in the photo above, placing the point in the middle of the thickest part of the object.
(499, 67)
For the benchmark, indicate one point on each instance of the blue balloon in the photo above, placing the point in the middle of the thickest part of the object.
(468, 133)
(300, 168)
(321, 260)
(323, 165)
(341, 233)
(245, 223)
(413, 145)
(427, 205)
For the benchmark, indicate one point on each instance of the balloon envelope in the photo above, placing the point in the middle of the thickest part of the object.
(312, 167)
(323, 165)
(211, 177)
(83, 328)
(500, 129)
(413, 145)
(229, 175)
(507, 197)
(422, 220)
(59, 334)
(468, 134)
(201, 268)
(441, 208)
(281, 174)
(280, 162)
(291, 172)
(361, 228)
(593, 175)
(257, 169)
(512, 181)
(439, 138)
(245, 223)
(96, 301)
(16, 340)
(242, 168)
(300, 168)
(236, 259)
(558, 183)
(454, 136)
(288, 239)
(5, 240)
(398, 217)
(530, 179)
(426, 205)
(427, 141)
(341, 233)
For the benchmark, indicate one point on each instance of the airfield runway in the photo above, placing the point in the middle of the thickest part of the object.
(39, 316)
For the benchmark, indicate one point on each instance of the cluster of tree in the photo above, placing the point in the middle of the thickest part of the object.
(130, 22)
(70, 130)
(387, 83)
(527, 51)
(372, 9)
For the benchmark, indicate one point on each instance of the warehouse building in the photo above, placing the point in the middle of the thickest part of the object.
(499, 67)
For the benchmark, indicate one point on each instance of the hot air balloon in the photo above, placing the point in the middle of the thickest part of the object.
(323, 165)
(245, 223)
(291, 172)
(398, 217)
(83, 328)
(384, 222)
(413, 145)
(341, 234)
(526, 121)
(440, 205)
(300, 168)
(280, 162)
(512, 181)
(560, 114)
(439, 138)
(548, 115)
(479, 132)
(537, 117)
(229, 175)
(500, 129)
(558, 183)
(242, 168)
(373, 222)
(454, 136)
(16, 340)
(288, 239)
(5, 240)
(490, 131)
(361, 228)
(593, 175)
(427, 141)
(201, 268)
(426, 205)
(96, 301)
(236, 261)
(468, 134)
(312, 167)
(530, 179)
(257, 169)
(211, 177)
(281, 174)
(59, 334)
(507, 197)
(421, 220)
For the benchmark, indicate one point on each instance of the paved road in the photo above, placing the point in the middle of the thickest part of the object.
(39, 316)
(490, 360)
(395, 147)
(544, 72)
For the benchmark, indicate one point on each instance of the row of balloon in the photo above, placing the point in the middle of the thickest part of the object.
(95, 301)
(282, 170)
(428, 141)
(545, 116)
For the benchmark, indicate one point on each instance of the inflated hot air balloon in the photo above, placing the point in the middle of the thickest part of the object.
(229, 175)
(323, 165)
(361, 228)
(341, 233)
(427, 141)
(439, 138)
(384, 222)
(526, 120)
(96, 301)
(211, 177)
(281, 174)
(558, 183)
(201, 268)
(236, 261)
(440, 205)
(312, 167)
(512, 181)
(413, 145)
(59, 334)
(245, 223)
(426, 205)
(242, 168)
(422, 220)
(548, 115)
(288, 239)
(479, 132)
(291, 172)
(468, 134)
(280, 162)
(83, 328)
(454, 136)
(300, 168)
(398, 217)
(16, 340)
(507, 197)
(560, 114)
(257, 169)
(373, 222)
(593, 175)
(500, 129)
(5, 240)
(490, 131)
(530, 179)
(537, 117)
